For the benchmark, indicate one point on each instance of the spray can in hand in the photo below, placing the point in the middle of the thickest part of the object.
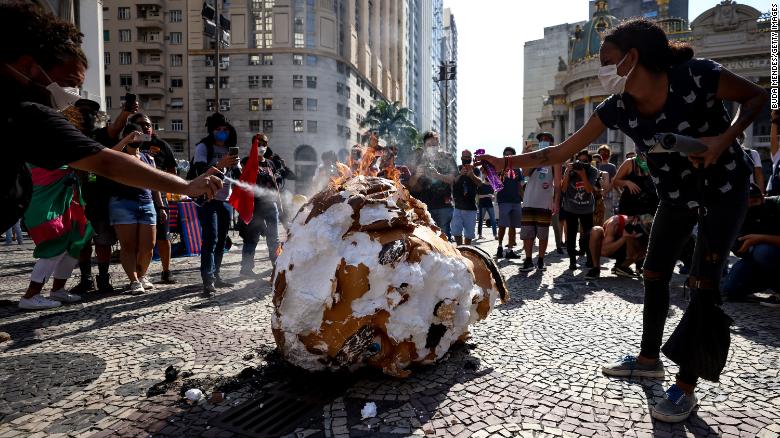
(490, 172)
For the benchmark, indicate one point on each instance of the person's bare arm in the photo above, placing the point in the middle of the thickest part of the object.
(610, 244)
(751, 98)
(116, 127)
(553, 154)
(133, 137)
(128, 170)
(586, 181)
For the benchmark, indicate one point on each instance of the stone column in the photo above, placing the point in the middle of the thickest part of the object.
(376, 37)
(570, 127)
(364, 64)
(588, 109)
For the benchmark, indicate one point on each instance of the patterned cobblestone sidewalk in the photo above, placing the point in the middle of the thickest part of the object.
(531, 369)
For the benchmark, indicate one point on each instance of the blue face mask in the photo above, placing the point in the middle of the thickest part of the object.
(544, 144)
(221, 136)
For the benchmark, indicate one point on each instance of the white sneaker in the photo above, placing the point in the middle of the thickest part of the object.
(146, 283)
(64, 296)
(136, 288)
(37, 302)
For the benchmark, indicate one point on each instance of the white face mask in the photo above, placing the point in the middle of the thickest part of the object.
(262, 150)
(612, 82)
(62, 98)
(544, 144)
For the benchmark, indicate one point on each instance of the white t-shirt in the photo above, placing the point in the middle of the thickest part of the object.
(756, 162)
(201, 155)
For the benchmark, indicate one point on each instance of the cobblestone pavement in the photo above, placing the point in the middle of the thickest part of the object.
(531, 369)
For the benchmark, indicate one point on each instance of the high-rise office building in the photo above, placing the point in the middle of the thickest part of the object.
(425, 32)
(305, 72)
(449, 109)
(145, 53)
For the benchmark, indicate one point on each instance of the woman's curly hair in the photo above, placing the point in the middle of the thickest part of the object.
(29, 30)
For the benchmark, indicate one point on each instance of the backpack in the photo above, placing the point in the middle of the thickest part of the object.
(192, 172)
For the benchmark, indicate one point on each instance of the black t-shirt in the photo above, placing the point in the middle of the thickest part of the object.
(510, 194)
(693, 109)
(434, 193)
(39, 135)
(464, 191)
(162, 153)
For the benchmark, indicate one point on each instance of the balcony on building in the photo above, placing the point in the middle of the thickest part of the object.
(151, 40)
(150, 14)
(150, 85)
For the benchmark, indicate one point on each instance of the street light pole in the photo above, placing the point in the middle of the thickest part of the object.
(217, 38)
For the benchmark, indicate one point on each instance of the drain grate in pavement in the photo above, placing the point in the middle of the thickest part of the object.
(279, 410)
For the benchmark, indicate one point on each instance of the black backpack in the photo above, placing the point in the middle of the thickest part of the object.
(193, 172)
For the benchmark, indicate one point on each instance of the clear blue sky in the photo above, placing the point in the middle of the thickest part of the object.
(491, 34)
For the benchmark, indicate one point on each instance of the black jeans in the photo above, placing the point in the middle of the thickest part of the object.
(573, 222)
(720, 223)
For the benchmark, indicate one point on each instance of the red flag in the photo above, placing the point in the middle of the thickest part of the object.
(244, 201)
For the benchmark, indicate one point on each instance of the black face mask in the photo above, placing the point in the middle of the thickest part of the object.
(465, 160)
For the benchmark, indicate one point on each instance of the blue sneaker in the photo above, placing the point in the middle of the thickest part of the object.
(629, 367)
(675, 407)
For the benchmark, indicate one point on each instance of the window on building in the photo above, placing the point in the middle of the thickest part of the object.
(125, 58)
(340, 67)
(108, 102)
(297, 125)
(268, 81)
(155, 124)
(107, 80)
(174, 16)
(254, 104)
(177, 60)
(268, 59)
(224, 61)
(311, 126)
(106, 36)
(254, 59)
(311, 60)
(340, 109)
(125, 35)
(106, 58)
(177, 82)
(311, 104)
(297, 104)
(176, 38)
(254, 81)
(150, 37)
(268, 126)
(210, 105)
(123, 13)
(263, 16)
(310, 28)
(177, 125)
(268, 103)
(223, 81)
(177, 146)
(254, 125)
(298, 41)
(224, 104)
(311, 81)
(297, 59)
(210, 82)
(126, 80)
(340, 88)
(297, 81)
(177, 103)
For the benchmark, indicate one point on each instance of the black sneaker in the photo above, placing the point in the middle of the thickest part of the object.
(167, 278)
(540, 264)
(104, 284)
(511, 254)
(559, 250)
(209, 289)
(624, 271)
(86, 284)
(218, 282)
(500, 252)
(572, 265)
(528, 266)
(593, 274)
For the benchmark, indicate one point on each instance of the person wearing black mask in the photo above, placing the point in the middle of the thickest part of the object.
(40, 72)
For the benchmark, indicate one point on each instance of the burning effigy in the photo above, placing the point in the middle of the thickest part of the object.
(365, 278)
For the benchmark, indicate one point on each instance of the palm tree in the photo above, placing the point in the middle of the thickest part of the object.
(392, 122)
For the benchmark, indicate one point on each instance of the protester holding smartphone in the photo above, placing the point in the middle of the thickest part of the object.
(218, 149)
(658, 87)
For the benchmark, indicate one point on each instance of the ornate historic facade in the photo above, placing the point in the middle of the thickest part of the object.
(734, 35)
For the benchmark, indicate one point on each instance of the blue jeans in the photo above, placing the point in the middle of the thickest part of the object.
(755, 271)
(492, 214)
(215, 217)
(265, 222)
(17, 227)
(463, 222)
(443, 218)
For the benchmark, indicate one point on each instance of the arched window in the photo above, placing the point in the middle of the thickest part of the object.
(305, 167)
